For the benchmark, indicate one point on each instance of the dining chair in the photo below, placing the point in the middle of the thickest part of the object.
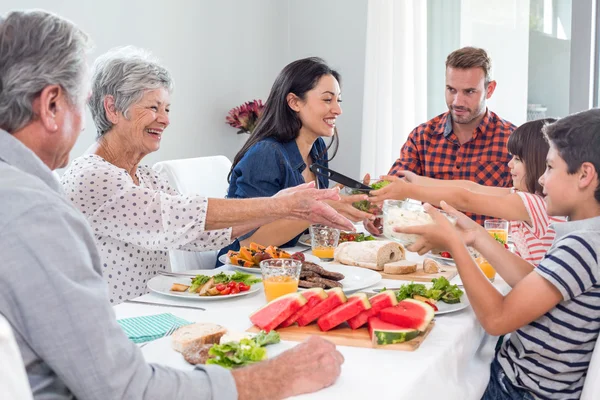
(206, 176)
(591, 387)
(13, 378)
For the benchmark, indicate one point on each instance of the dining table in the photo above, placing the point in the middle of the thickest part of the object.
(451, 363)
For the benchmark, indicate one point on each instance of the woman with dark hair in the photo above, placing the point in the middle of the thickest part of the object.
(300, 112)
(523, 204)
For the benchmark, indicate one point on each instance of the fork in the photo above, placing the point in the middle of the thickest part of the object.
(172, 329)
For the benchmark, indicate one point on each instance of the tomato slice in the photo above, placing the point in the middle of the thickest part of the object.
(235, 290)
(445, 254)
(220, 287)
(243, 287)
(232, 284)
(226, 291)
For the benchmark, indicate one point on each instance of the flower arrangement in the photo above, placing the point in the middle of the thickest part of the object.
(245, 116)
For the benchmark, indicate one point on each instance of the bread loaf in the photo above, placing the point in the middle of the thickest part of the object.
(371, 254)
(196, 334)
(400, 267)
(431, 266)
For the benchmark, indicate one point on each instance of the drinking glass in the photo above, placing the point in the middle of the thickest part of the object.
(280, 276)
(323, 241)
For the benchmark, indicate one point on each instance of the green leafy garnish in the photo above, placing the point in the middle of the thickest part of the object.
(224, 278)
(198, 281)
(245, 352)
(441, 289)
(248, 279)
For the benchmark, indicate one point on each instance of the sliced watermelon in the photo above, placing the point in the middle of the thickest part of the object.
(335, 297)
(276, 311)
(382, 332)
(356, 304)
(313, 297)
(410, 314)
(381, 300)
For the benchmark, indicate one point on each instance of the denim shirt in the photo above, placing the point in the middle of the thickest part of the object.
(268, 167)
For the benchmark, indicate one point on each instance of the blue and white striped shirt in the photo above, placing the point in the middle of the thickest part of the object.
(550, 356)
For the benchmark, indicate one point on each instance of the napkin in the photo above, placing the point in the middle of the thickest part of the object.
(150, 327)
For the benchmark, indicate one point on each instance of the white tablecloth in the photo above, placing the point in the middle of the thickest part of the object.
(452, 363)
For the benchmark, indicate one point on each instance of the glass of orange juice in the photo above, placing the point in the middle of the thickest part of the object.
(498, 228)
(280, 276)
(323, 240)
(486, 268)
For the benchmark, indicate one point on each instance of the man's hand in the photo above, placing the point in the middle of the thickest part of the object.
(310, 366)
(307, 203)
(441, 234)
(408, 176)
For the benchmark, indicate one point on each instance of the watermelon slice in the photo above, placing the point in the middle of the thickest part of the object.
(313, 297)
(384, 333)
(356, 304)
(335, 297)
(381, 300)
(410, 314)
(276, 311)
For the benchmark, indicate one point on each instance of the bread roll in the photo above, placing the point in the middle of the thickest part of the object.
(371, 254)
(196, 334)
(431, 266)
(400, 267)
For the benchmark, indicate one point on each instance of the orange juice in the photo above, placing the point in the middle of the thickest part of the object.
(277, 286)
(323, 252)
(487, 268)
(499, 234)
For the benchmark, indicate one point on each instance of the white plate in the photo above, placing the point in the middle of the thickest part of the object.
(256, 270)
(160, 352)
(304, 240)
(444, 308)
(355, 278)
(443, 260)
(162, 284)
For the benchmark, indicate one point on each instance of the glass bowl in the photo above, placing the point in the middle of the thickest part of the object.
(364, 205)
(405, 213)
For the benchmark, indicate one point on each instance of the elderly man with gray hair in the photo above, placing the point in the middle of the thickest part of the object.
(53, 294)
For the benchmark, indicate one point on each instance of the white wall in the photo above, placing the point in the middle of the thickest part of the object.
(336, 31)
(220, 54)
(501, 27)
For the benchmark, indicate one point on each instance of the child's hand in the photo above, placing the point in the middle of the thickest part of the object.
(469, 229)
(440, 234)
(396, 190)
(408, 176)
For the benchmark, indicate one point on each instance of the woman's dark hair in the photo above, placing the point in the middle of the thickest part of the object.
(528, 143)
(278, 120)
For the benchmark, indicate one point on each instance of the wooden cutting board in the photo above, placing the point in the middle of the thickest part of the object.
(344, 336)
(447, 272)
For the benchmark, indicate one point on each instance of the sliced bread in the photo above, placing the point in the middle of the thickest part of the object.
(372, 254)
(196, 334)
(400, 267)
(431, 266)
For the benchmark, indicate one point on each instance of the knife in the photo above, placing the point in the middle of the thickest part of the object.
(163, 305)
(320, 170)
(167, 273)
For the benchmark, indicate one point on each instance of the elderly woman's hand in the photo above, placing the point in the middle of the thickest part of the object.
(307, 203)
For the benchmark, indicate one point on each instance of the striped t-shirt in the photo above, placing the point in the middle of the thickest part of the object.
(550, 356)
(533, 241)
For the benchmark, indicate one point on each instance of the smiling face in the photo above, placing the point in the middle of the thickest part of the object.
(518, 173)
(466, 93)
(320, 108)
(560, 187)
(146, 121)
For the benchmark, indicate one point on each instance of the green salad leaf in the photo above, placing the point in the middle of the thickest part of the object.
(245, 352)
(248, 279)
(441, 289)
(224, 278)
(198, 281)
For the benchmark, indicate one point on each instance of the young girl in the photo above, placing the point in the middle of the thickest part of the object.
(300, 112)
(523, 205)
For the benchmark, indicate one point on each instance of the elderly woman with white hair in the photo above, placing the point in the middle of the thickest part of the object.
(135, 215)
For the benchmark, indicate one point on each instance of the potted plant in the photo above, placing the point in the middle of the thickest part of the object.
(245, 117)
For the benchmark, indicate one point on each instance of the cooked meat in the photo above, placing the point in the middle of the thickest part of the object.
(197, 354)
(327, 282)
(308, 274)
(206, 286)
(178, 287)
(312, 267)
(307, 284)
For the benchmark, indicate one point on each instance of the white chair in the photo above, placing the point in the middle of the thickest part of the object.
(591, 387)
(206, 176)
(13, 378)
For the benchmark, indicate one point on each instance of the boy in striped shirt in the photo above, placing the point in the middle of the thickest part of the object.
(552, 311)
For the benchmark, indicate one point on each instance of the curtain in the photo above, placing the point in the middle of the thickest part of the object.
(395, 93)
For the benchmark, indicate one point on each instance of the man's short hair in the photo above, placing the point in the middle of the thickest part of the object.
(577, 140)
(471, 57)
(38, 49)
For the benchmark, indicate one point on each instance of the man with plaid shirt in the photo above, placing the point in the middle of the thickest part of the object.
(469, 141)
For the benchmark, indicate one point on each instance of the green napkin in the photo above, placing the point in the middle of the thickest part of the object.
(150, 327)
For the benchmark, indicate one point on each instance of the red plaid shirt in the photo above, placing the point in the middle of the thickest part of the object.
(432, 149)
